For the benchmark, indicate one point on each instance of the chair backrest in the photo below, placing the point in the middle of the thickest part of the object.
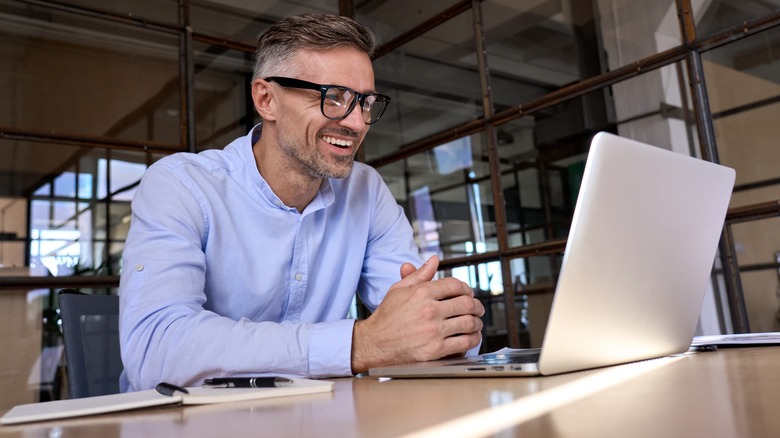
(90, 329)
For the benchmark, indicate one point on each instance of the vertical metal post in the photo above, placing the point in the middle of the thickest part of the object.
(107, 202)
(544, 186)
(186, 79)
(709, 150)
(29, 240)
(499, 205)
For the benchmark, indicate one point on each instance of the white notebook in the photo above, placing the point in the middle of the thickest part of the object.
(103, 404)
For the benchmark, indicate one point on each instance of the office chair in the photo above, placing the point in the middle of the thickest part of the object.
(90, 329)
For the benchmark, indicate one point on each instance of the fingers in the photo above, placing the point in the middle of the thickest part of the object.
(411, 277)
(461, 305)
(461, 325)
(479, 308)
(460, 344)
(447, 288)
(439, 289)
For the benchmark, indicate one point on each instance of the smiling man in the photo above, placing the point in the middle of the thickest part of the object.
(245, 260)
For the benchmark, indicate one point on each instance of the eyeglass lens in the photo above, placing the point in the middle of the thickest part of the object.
(338, 102)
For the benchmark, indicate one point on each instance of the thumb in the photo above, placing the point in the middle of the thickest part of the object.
(411, 276)
(406, 269)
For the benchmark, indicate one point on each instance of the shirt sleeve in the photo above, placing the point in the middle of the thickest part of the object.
(390, 245)
(166, 334)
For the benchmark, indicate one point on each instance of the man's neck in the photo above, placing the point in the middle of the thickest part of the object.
(293, 187)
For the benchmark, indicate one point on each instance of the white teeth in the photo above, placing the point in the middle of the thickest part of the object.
(337, 142)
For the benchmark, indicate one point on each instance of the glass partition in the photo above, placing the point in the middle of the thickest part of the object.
(433, 83)
(86, 71)
(534, 281)
(79, 219)
(655, 108)
(536, 47)
(223, 104)
(243, 22)
(714, 15)
(761, 306)
(389, 19)
(165, 11)
(448, 198)
(743, 85)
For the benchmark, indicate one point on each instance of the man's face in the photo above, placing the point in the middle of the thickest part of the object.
(317, 146)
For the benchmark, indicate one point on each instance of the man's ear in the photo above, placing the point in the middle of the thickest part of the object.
(263, 98)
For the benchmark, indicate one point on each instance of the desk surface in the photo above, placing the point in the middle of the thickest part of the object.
(727, 393)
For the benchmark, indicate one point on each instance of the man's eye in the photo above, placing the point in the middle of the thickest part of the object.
(334, 96)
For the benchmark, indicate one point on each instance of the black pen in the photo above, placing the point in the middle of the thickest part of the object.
(247, 382)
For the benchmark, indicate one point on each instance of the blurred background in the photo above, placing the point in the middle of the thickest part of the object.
(494, 104)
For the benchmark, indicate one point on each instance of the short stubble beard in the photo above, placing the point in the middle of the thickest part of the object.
(313, 163)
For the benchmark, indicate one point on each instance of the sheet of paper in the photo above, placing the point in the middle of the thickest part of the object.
(768, 338)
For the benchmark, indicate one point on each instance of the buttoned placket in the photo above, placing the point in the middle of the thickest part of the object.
(299, 267)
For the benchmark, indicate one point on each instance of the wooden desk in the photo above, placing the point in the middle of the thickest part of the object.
(728, 393)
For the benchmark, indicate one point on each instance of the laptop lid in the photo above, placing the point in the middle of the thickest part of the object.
(638, 258)
(639, 254)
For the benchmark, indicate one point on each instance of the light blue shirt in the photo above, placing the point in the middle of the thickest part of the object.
(219, 277)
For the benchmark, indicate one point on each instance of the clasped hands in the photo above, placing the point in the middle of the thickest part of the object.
(420, 319)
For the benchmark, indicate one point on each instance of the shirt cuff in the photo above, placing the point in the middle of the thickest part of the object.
(474, 351)
(330, 349)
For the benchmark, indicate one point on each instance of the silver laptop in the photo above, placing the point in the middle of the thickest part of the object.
(637, 262)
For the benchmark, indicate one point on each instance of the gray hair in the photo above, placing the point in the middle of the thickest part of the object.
(279, 44)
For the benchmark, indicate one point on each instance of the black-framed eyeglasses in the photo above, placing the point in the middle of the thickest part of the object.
(336, 102)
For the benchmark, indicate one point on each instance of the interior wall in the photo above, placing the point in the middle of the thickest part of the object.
(20, 341)
(13, 225)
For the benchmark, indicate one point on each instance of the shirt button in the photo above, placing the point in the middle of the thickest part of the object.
(139, 268)
(298, 277)
(278, 203)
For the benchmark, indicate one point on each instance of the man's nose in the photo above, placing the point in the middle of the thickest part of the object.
(354, 119)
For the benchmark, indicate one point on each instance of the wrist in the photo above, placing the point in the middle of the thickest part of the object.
(361, 351)
(355, 358)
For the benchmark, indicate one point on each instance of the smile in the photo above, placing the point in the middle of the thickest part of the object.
(337, 142)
